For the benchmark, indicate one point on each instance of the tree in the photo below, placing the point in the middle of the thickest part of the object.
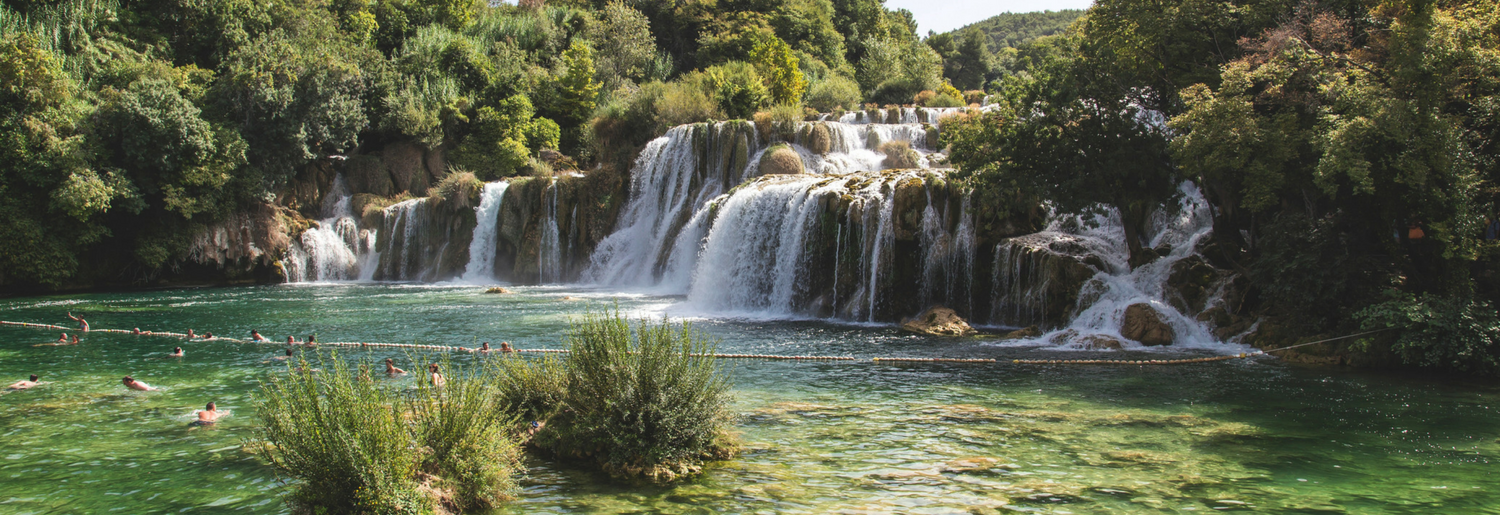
(626, 49)
(577, 90)
(777, 66)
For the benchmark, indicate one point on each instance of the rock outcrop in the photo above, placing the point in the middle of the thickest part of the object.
(781, 160)
(1145, 325)
(939, 321)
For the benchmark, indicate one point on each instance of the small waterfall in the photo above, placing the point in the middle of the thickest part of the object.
(1025, 268)
(549, 245)
(333, 250)
(402, 252)
(481, 267)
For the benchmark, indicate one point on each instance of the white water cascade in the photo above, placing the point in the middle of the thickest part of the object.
(1103, 299)
(549, 247)
(481, 267)
(335, 249)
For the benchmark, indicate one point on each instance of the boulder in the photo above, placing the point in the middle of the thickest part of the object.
(1144, 324)
(781, 160)
(939, 321)
(1023, 333)
(898, 155)
(1040, 278)
(1100, 342)
(497, 290)
(819, 139)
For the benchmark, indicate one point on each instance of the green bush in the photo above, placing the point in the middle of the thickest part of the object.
(459, 189)
(361, 446)
(533, 390)
(649, 403)
(625, 124)
(1441, 332)
(836, 92)
(737, 88)
(898, 154)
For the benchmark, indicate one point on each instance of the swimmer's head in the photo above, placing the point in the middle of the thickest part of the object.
(433, 367)
(390, 361)
(486, 346)
(289, 352)
(177, 350)
(33, 378)
(210, 407)
(128, 380)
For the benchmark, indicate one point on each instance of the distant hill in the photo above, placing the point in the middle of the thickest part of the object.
(1010, 30)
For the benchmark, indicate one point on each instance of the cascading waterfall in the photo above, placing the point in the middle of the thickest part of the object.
(481, 267)
(549, 248)
(1020, 273)
(335, 249)
(401, 257)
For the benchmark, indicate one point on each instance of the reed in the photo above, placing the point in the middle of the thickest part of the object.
(645, 403)
(357, 445)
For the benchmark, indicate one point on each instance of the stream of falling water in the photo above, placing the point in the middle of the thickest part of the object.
(335, 249)
(481, 267)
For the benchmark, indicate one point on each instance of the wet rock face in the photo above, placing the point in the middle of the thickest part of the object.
(1040, 276)
(1145, 325)
(939, 321)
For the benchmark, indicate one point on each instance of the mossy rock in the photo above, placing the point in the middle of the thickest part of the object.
(368, 174)
(898, 155)
(820, 139)
(781, 160)
(932, 137)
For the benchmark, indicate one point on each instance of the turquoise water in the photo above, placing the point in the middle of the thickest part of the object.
(821, 437)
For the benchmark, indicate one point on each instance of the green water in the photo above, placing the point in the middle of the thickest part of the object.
(820, 437)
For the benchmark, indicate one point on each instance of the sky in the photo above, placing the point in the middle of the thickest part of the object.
(944, 15)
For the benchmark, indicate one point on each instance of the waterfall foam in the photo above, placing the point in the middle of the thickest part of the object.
(333, 249)
(481, 267)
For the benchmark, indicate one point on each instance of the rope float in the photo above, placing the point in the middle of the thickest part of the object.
(773, 357)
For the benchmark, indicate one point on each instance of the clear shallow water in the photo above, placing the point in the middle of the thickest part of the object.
(820, 437)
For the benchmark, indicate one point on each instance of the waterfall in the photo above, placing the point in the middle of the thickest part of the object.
(334, 249)
(402, 251)
(481, 267)
(1024, 267)
(549, 248)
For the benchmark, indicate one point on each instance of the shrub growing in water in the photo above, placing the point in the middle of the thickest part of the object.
(898, 154)
(648, 403)
(358, 446)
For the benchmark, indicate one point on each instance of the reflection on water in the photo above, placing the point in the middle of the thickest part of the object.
(842, 437)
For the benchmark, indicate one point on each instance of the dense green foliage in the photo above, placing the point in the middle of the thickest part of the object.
(1323, 133)
(133, 126)
(648, 401)
(358, 445)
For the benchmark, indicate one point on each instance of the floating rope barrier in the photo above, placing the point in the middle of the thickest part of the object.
(773, 357)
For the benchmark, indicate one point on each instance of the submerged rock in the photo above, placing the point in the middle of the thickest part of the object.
(1144, 324)
(939, 321)
(1023, 333)
(498, 290)
(1101, 342)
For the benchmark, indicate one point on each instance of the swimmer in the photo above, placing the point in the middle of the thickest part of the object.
(83, 325)
(284, 358)
(312, 339)
(63, 338)
(136, 332)
(256, 337)
(22, 385)
(132, 384)
(191, 335)
(485, 348)
(290, 340)
(75, 340)
(176, 352)
(208, 336)
(208, 416)
(437, 378)
(390, 368)
(505, 347)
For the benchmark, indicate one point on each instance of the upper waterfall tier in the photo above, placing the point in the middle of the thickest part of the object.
(677, 175)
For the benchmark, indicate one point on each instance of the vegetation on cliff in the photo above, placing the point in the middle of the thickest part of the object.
(1349, 149)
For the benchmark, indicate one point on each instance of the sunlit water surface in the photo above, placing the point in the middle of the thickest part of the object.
(847, 437)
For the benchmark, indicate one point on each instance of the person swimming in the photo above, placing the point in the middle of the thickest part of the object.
(208, 416)
(390, 367)
(191, 335)
(286, 357)
(176, 352)
(137, 331)
(208, 336)
(312, 339)
(256, 337)
(132, 384)
(75, 340)
(22, 385)
(290, 340)
(436, 377)
(505, 347)
(485, 348)
(83, 325)
(63, 338)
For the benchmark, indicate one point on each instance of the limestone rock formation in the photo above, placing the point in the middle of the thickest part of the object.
(1023, 333)
(1144, 324)
(1040, 277)
(898, 155)
(939, 321)
(781, 160)
(498, 290)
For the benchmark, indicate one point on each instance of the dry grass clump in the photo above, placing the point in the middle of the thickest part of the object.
(898, 154)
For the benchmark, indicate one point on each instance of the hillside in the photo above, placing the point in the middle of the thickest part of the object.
(1010, 30)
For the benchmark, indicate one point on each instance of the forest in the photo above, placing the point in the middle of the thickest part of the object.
(1348, 146)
